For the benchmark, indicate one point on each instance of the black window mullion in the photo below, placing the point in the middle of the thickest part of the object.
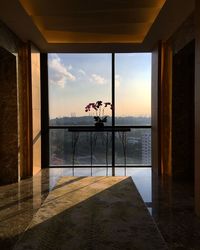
(113, 114)
(44, 110)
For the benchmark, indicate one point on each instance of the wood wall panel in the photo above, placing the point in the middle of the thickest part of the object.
(25, 112)
(183, 113)
(161, 109)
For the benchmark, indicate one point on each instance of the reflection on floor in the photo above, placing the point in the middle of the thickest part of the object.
(141, 177)
(171, 204)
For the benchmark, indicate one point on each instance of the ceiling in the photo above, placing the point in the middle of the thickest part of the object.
(90, 25)
(89, 21)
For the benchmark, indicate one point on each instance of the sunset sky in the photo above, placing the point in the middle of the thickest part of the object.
(78, 79)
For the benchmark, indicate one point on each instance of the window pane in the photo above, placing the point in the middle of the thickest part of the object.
(133, 148)
(133, 89)
(75, 80)
(80, 149)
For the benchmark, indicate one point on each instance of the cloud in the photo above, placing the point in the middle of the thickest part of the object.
(117, 81)
(59, 74)
(70, 67)
(60, 81)
(98, 79)
(82, 72)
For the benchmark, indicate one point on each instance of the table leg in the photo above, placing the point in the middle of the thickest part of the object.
(75, 137)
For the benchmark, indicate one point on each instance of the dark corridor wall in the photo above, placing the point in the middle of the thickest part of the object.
(183, 112)
(8, 118)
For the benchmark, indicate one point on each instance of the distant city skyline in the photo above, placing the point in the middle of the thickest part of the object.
(78, 79)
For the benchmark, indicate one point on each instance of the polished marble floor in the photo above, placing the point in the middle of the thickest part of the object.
(93, 212)
(170, 203)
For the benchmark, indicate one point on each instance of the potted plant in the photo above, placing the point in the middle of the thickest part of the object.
(99, 108)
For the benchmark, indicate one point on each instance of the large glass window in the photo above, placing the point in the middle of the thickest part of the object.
(133, 89)
(76, 80)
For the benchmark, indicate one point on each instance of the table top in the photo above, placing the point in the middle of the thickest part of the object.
(92, 128)
(99, 129)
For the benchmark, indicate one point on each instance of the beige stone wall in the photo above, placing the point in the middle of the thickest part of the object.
(36, 110)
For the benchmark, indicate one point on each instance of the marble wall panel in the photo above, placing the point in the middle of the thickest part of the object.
(14, 45)
(183, 99)
(8, 116)
(183, 113)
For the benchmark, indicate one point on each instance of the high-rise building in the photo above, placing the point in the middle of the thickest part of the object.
(146, 148)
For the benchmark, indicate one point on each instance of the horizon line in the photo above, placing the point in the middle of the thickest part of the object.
(144, 116)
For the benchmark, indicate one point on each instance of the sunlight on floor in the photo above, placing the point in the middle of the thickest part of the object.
(141, 176)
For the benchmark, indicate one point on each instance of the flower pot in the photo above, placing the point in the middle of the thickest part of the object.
(99, 125)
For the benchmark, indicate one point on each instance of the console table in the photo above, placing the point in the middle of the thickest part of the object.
(92, 130)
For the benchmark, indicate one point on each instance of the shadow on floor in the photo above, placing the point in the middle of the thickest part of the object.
(93, 213)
